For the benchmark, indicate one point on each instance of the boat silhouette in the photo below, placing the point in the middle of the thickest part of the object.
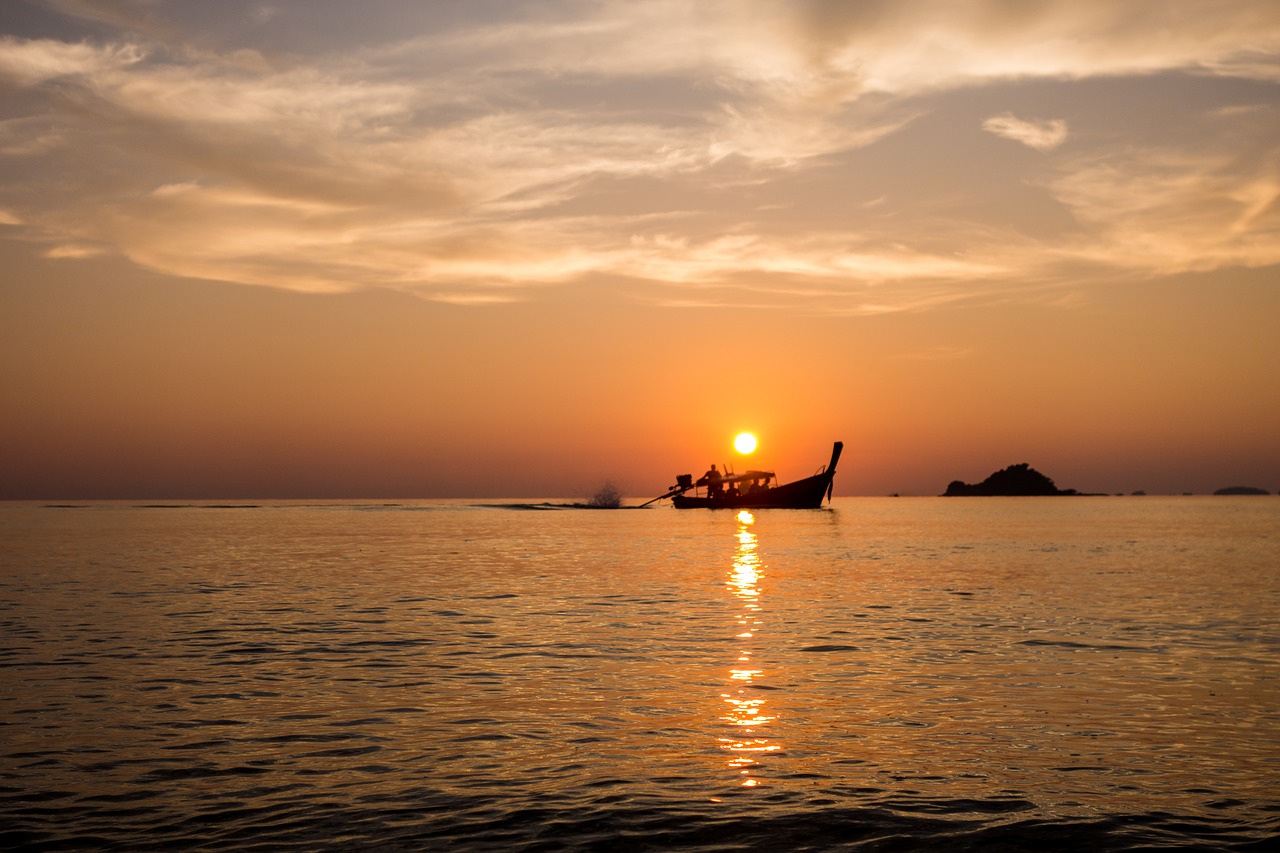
(753, 489)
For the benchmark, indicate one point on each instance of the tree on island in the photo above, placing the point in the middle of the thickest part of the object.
(1017, 480)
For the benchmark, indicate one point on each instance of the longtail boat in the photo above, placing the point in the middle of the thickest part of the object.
(753, 489)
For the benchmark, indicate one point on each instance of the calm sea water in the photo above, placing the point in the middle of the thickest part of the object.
(886, 674)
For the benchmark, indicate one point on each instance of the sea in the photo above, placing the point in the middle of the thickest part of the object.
(1078, 673)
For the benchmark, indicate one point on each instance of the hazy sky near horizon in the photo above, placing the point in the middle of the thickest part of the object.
(393, 248)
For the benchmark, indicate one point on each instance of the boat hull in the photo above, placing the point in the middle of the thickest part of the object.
(802, 494)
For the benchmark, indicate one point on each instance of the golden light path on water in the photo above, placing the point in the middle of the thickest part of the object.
(746, 711)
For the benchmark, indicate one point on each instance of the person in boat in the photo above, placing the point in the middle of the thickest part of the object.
(712, 481)
(731, 491)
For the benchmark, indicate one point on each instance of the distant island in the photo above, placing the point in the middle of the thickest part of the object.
(1016, 480)
(1241, 490)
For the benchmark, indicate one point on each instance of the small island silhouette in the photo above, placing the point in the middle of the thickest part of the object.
(1017, 480)
(1241, 490)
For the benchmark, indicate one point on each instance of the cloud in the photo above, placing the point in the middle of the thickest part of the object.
(73, 252)
(29, 63)
(932, 44)
(130, 16)
(1161, 211)
(772, 151)
(1040, 135)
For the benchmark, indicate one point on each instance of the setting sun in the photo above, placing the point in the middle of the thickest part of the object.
(745, 442)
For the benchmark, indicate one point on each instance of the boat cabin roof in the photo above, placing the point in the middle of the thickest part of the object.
(749, 475)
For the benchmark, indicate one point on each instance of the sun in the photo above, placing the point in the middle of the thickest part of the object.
(745, 442)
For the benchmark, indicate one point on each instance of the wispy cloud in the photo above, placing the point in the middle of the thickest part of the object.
(1040, 135)
(29, 63)
(740, 147)
(128, 15)
(75, 252)
(1166, 211)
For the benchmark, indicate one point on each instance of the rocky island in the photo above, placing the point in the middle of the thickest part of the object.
(1017, 480)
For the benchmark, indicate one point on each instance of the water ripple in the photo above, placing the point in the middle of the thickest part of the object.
(884, 676)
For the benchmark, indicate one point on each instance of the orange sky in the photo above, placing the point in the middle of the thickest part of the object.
(494, 249)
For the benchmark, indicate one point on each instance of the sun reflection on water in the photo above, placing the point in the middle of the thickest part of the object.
(746, 711)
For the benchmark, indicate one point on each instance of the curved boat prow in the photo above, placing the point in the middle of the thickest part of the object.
(830, 473)
(835, 456)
